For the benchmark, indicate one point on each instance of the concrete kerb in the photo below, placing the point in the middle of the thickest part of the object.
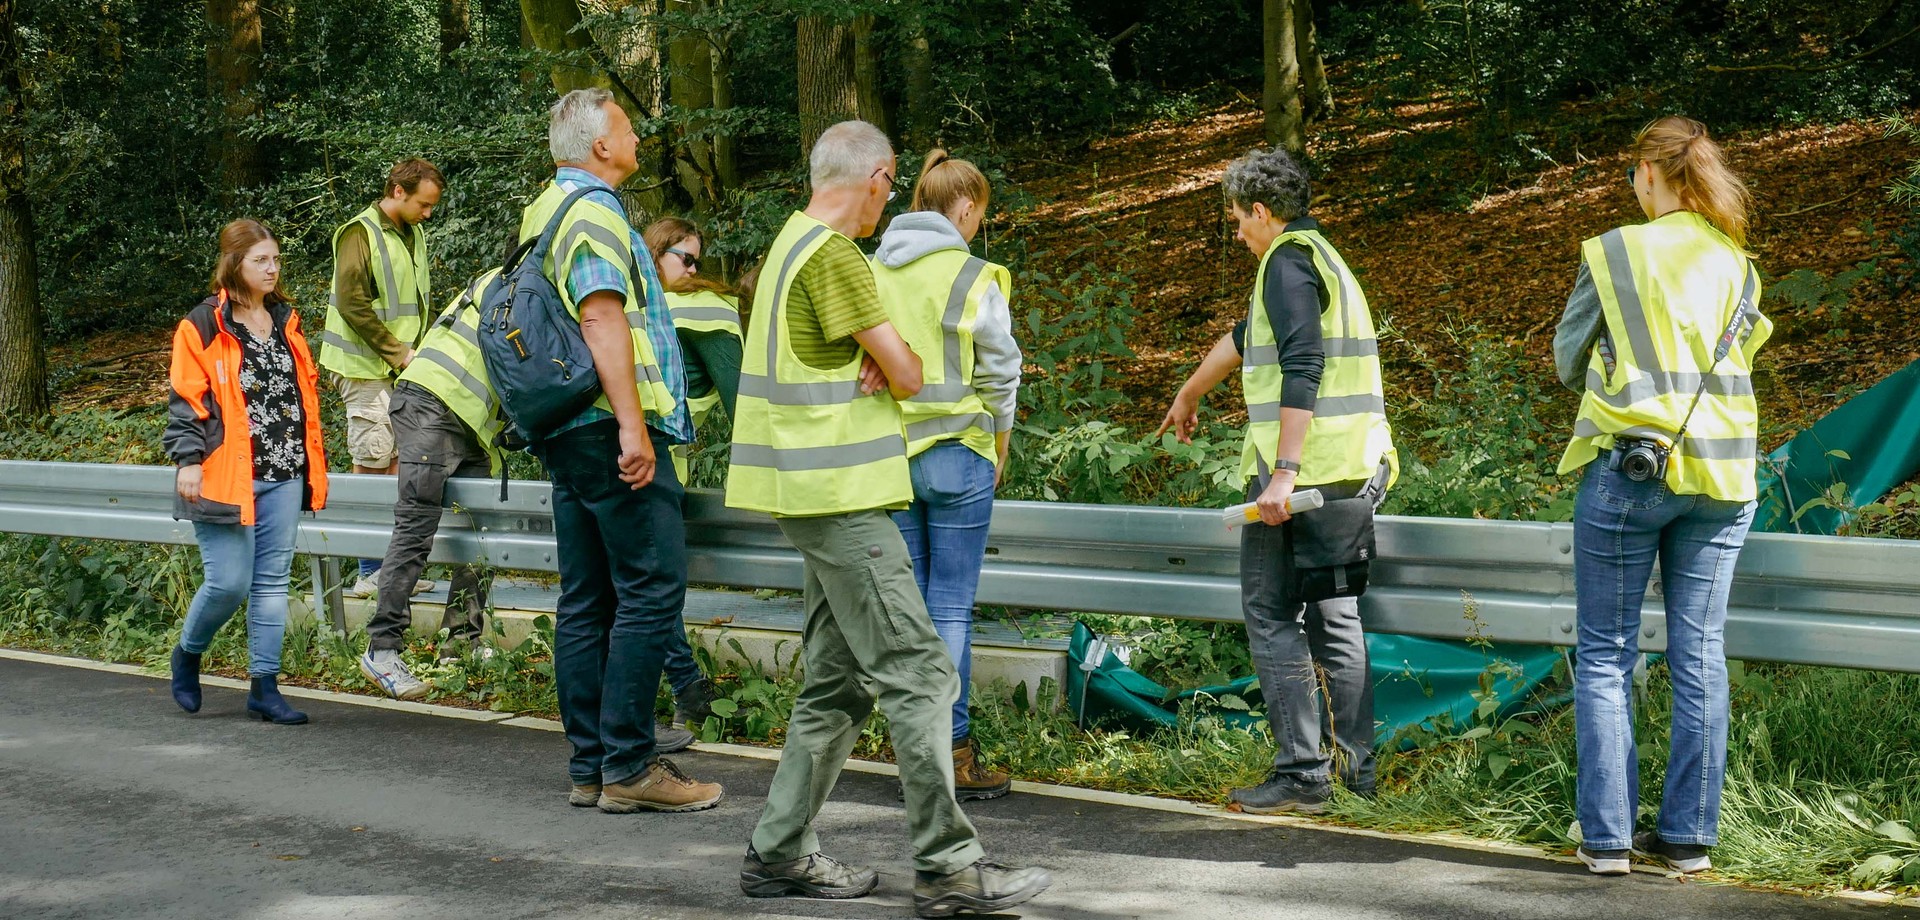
(1071, 793)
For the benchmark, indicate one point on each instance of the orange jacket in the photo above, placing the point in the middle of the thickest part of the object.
(207, 413)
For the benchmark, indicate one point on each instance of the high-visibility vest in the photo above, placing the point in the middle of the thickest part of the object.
(934, 301)
(606, 234)
(1671, 289)
(1349, 435)
(701, 311)
(807, 441)
(448, 365)
(401, 282)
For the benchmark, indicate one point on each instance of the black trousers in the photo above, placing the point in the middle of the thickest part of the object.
(434, 446)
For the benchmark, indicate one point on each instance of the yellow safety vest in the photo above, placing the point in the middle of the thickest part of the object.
(448, 365)
(701, 311)
(807, 441)
(593, 225)
(934, 301)
(401, 282)
(1349, 435)
(1670, 290)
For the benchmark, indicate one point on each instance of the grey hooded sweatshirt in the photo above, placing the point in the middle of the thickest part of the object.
(996, 356)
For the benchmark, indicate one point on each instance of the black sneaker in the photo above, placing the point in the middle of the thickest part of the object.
(1282, 793)
(1605, 862)
(692, 707)
(1681, 857)
(813, 876)
(982, 888)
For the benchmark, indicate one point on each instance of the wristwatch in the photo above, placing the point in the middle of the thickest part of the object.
(1285, 464)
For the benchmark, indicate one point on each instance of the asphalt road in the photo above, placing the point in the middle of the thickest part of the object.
(114, 804)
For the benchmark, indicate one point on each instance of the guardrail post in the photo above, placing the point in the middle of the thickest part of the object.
(327, 591)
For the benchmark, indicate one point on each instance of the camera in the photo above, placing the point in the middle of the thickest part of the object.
(1639, 459)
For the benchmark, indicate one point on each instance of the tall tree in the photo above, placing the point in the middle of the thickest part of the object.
(917, 61)
(1316, 99)
(872, 102)
(726, 164)
(690, 88)
(1285, 119)
(23, 357)
(456, 25)
(233, 67)
(627, 61)
(826, 82)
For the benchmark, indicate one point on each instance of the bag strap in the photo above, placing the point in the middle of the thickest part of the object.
(539, 246)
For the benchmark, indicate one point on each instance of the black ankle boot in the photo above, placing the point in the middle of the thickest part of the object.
(186, 679)
(265, 703)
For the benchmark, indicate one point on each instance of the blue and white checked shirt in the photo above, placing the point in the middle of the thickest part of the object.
(590, 274)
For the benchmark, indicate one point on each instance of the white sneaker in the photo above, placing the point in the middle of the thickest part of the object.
(367, 586)
(453, 653)
(388, 673)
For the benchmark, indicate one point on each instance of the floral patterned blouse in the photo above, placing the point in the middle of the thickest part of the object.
(274, 414)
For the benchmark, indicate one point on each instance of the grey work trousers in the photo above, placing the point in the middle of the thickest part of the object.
(434, 446)
(1295, 645)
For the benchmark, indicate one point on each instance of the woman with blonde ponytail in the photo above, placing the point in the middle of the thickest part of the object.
(1659, 337)
(952, 309)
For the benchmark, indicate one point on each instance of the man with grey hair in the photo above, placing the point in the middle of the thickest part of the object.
(819, 443)
(616, 511)
(1316, 417)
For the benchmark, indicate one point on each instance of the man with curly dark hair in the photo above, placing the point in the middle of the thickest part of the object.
(1316, 417)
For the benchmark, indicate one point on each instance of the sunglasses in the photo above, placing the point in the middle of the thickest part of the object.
(691, 262)
(1630, 170)
(892, 190)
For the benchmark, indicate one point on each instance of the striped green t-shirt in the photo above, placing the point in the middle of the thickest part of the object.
(833, 296)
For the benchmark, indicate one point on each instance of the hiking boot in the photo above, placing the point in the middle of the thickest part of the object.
(1282, 793)
(1604, 862)
(670, 740)
(186, 679)
(584, 795)
(971, 779)
(982, 888)
(660, 787)
(816, 875)
(692, 706)
(369, 585)
(390, 675)
(265, 703)
(1681, 857)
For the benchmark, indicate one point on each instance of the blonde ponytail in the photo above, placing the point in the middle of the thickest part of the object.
(1696, 169)
(945, 180)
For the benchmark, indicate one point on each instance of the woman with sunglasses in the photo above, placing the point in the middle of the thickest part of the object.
(243, 428)
(1659, 338)
(952, 309)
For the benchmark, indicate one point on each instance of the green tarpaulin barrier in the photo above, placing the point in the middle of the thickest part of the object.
(1871, 444)
(1414, 679)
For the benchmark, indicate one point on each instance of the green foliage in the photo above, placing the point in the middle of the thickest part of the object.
(1180, 654)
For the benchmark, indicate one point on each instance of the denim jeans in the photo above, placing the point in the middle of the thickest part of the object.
(946, 533)
(1294, 645)
(248, 564)
(623, 584)
(1619, 528)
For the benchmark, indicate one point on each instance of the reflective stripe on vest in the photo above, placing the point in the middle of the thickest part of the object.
(1669, 290)
(606, 235)
(934, 301)
(449, 365)
(703, 311)
(805, 440)
(401, 281)
(1348, 436)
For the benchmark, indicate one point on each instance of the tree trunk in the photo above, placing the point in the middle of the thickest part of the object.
(1316, 99)
(23, 357)
(726, 166)
(922, 120)
(1285, 125)
(626, 61)
(554, 27)
(690, 88)
(456, 25)
(233, 67)
(825, 71)
(866, 74)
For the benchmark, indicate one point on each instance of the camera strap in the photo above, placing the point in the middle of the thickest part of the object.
(1720, 350)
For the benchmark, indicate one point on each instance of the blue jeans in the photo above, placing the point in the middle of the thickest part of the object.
(946, 533)
(1619, 528)
(623, 584)
(248, 562)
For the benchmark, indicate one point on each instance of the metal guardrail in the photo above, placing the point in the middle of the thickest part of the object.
(1837, 601)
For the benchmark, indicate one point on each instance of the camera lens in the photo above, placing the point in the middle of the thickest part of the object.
(1638, 464)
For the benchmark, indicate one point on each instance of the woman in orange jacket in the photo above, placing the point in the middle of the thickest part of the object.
(244, 428)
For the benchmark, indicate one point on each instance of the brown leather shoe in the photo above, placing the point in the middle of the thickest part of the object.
(971, 779)
(585, 796)
(660, 787)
